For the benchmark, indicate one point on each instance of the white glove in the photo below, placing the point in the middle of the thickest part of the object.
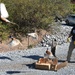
(68, 39)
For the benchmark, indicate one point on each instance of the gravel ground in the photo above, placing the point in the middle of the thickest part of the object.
(21, 62)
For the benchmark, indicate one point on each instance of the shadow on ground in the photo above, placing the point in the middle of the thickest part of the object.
(4, 57)
(35, 57)
(71, 61)
(31, 66)
(61, 60)
(13, 72)
(65, 60)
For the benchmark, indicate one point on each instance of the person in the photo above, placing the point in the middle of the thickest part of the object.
(53, 47)
(72, 43)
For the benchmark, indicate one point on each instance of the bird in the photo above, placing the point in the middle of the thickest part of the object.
(49, 53)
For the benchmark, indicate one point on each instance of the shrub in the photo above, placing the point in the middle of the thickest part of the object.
(32, 14)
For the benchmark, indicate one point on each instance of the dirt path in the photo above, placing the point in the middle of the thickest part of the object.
(21, 62)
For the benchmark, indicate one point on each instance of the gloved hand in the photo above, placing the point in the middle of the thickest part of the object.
(68, 40)
(74, 42)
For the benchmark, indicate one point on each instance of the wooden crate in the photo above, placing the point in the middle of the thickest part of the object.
(42, 66)
(62, 65)
(48, 64)
(55, 61)
(43, 60)
(53, 67)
